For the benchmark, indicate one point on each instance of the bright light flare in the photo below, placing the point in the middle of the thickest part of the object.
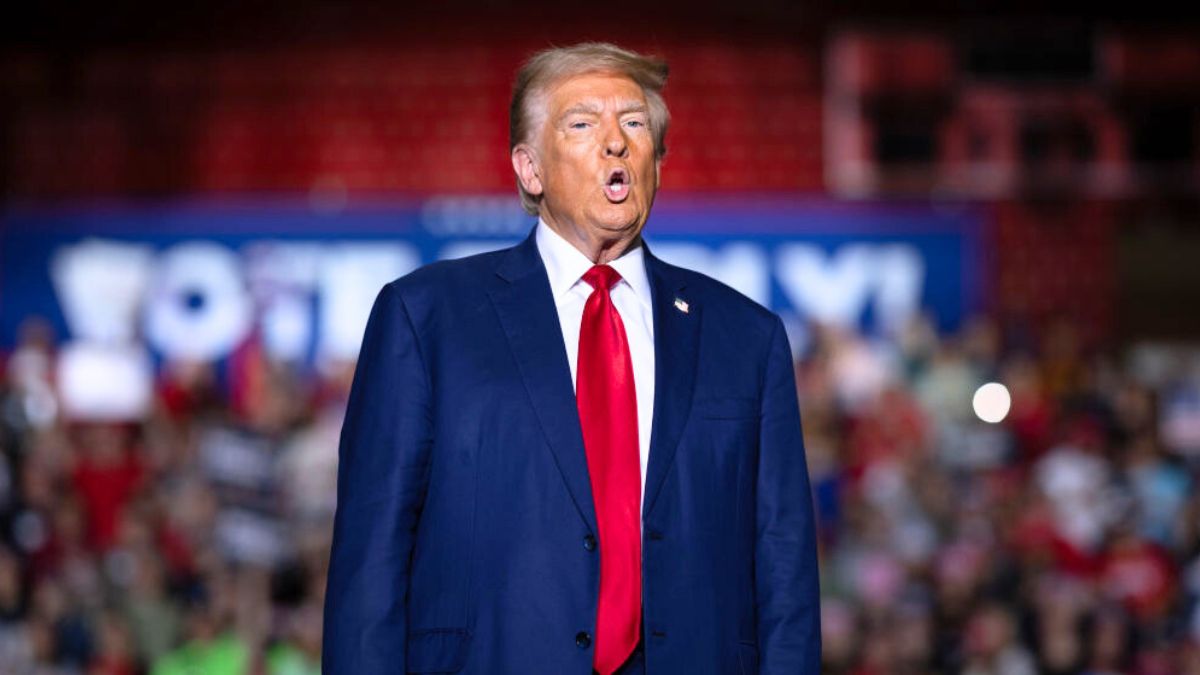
(992, 402)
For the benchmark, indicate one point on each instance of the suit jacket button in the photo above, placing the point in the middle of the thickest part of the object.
(583, 640)
(589, 542)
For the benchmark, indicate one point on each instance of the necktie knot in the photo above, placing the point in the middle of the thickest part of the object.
(602, 276)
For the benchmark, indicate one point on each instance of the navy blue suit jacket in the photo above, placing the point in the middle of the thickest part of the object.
(462, 540)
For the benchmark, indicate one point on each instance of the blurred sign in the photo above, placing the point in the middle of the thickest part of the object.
(194, 280)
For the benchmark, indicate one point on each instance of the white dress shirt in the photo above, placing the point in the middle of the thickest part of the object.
(566, 265)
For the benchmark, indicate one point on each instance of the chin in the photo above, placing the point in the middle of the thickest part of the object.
(618, 217)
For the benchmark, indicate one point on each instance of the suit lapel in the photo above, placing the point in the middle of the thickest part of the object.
(676, 338)
(527, 312)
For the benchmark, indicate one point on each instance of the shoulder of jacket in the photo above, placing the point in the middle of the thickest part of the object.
(446, 275)
(723, 298)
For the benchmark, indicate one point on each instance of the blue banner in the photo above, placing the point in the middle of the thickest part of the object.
(195, 278)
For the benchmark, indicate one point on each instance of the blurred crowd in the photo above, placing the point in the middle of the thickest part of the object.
(1061, 540)
(191, 541)
(1065, 539)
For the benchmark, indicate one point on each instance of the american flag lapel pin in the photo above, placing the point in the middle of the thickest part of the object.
(681, 305)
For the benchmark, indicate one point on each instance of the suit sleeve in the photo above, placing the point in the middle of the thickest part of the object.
(383, 471)
(788, 600)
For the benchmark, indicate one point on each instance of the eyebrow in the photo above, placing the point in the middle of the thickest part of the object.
(593, 108)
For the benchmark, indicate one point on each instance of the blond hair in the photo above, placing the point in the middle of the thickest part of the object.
(550, 66)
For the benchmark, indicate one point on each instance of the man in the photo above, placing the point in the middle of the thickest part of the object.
(569, 456)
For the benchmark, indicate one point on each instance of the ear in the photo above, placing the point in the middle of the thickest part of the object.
(657, 173)
(525, 165)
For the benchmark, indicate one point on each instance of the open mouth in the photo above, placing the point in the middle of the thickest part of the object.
(616, 187)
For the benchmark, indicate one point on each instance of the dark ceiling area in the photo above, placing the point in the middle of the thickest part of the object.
(79, 26)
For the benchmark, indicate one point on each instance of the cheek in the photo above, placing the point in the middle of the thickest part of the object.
(580, 171)
(651, 181)
(647, 167)
(561, 170)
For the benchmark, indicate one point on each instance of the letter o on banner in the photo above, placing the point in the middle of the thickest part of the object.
(198, 307)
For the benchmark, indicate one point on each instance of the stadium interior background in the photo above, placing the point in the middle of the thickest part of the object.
(199, 204)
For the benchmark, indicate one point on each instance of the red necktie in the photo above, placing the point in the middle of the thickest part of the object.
(608, 415)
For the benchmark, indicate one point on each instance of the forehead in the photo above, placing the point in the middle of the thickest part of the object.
(600, 88)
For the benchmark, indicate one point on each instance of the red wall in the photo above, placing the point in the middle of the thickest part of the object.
(408, 118)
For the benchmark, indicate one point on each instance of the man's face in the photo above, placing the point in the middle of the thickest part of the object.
(594, 157)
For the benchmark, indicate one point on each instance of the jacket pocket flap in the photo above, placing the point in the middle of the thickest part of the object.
(437, 650)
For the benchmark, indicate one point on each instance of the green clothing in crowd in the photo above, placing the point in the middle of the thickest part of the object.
(225, 655)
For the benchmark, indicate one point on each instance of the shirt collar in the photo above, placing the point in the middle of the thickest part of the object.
(565, 264)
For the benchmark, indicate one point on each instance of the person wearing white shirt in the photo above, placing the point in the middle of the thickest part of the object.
(565, 266)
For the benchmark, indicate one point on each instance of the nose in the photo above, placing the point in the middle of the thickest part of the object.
(615, 144)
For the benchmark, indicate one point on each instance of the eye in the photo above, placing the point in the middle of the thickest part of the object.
(637, 124)
(578, 125)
